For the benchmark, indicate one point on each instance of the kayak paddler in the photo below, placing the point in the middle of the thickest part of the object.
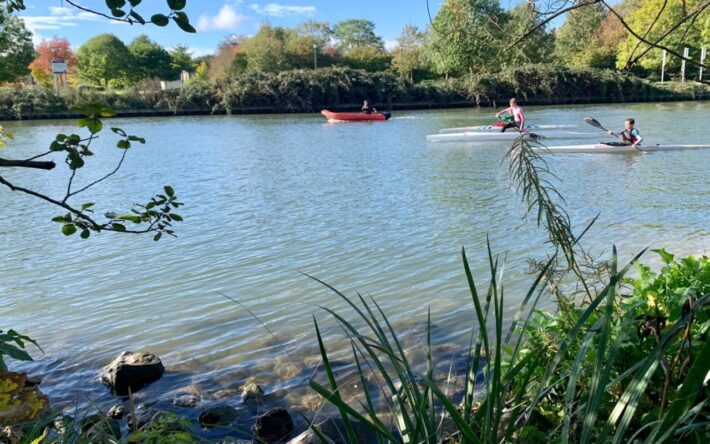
(518, 118)
(367, 108)
(630, 135)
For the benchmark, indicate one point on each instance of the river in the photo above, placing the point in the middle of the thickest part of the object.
(366, 207)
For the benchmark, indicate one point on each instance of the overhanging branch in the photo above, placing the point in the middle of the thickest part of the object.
(27, 164)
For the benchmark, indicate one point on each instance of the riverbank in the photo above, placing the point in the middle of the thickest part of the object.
(308, 91)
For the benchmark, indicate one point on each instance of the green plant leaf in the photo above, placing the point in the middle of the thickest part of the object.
(118, 227)
(114, 4)
(183, 23)
(159, 20)
(135, 2)
(123, 144)
(69, 229)
(177, 5)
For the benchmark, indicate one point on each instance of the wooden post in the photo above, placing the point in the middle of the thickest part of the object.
(682, 66)
(703, 53)
(663, 66)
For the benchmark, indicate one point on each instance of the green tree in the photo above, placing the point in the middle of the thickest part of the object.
(370, 58)
(16, 49)
(408, 55)
(538, 47)
(266, 50)
(572, 39)
(103, 60)
(354, 33)
(150, 60)
(690, 35)
(181, 60)
(309, 39)
(466, 35)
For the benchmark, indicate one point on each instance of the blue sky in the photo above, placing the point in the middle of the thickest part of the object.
(215, 19)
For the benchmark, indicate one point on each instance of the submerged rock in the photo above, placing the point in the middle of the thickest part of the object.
(132, 371)
(273, 426)
(252, 392)
(220, 415)
(186, 400)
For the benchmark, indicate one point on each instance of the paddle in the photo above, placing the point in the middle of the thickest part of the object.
(595, 123)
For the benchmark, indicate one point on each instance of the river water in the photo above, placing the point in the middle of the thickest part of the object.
(366, 207)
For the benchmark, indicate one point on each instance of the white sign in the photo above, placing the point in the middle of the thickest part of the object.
(59, 67)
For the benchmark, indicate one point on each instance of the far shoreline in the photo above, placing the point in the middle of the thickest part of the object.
(262, 110)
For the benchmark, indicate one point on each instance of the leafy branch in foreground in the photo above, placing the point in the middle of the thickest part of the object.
(155, 216)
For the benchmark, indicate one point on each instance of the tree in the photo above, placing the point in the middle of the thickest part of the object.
(355, 33)
(16, 49)
(221, 64)
(150, 60)
(57, 48)
(466, 35)
(104, 59)
(656, 18)
(537, 48)
(310, 39)
(266, 50)
(572, 39)
(370, 58)
(407, 56)
(181, 60)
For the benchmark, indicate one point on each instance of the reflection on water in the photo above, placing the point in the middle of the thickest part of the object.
(368, 207)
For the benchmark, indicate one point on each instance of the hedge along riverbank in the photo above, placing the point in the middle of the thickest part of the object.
(345, 89)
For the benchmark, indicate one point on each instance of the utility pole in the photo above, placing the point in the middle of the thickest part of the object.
(686, 51)
(703, 54)
(315, 56)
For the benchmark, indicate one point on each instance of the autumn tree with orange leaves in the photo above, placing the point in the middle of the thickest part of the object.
(57, 48)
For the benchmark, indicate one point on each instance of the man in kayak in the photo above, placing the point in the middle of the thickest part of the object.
(630, 135)
(516, 113)
(367, 108)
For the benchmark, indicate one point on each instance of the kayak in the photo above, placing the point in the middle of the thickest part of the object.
(601, 148)
(509, 135)
(354, 117)
(498, 127)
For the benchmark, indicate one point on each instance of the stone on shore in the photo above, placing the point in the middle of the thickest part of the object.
(118, 411)
(252, 392)
(132, 371)
(273, 426)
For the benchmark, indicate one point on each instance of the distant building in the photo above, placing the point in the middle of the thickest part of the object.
(175, 84)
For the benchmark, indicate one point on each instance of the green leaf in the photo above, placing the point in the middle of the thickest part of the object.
(69, 229)
(118, 12)
(86, 206)
(184, 24)
(666, 257)
(85, 234)
(160, 20)
(134, 2)
(94, 124)
(118, 131)
(137, 17)
(157, 237)
(169, 191)
(123, 144)
(118, 227)
(59, 219)
(136, 139)
(114, 4)
(177, 5)
(176, 217)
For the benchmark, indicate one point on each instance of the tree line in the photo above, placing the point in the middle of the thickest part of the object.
(464, 37)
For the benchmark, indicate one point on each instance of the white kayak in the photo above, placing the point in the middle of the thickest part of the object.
(497, 128)
(601, 148)
(474, 136)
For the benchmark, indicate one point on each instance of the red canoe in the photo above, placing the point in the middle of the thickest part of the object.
(355, 117)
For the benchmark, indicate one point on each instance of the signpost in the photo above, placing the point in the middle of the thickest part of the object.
(59, 72)
(686, 51)
(703, 53)
(663, 66)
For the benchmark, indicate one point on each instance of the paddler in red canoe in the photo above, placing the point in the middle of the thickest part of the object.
(516, 118)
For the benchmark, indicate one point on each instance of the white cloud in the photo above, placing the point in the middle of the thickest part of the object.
(227, 19)
(59, 18)
(277, 10)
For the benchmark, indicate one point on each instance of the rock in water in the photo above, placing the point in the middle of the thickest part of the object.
(273, 426)
(221, 415)
(117, 412)
(132, 370)
(334, 429)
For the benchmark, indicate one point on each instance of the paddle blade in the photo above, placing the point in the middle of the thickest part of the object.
(594, 123)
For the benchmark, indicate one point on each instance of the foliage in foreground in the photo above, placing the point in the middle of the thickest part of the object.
(619, 368)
